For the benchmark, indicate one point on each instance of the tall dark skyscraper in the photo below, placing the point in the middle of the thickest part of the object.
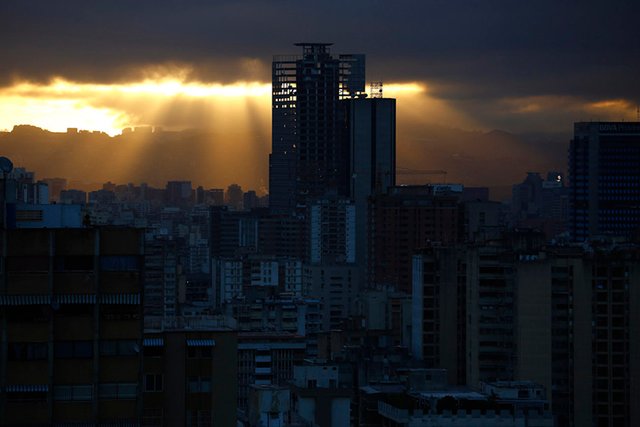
(604, 169)
(371, 137)
(309, 155)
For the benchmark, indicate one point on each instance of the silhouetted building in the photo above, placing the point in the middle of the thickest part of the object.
(541, 204)
(308, 157)
(56, 185)
(332, 231)
(190, 377)
(604, 171)
(233, 233)
(371, 138)
(266, 359)
(401, 222)
(234, 197)
(178, 193)
(71, 306)
(512, 309)
(72, 197)
(283, 236)
(250, 200)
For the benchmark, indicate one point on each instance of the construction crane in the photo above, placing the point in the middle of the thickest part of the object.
(408, 171)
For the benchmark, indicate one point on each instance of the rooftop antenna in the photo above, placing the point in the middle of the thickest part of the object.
(376, 89)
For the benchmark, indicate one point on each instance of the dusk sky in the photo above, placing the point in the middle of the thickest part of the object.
(517, 66)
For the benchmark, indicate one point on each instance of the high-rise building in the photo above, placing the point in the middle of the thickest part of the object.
(371, 136)
(308, 158)
(561, 316)
(604, 170)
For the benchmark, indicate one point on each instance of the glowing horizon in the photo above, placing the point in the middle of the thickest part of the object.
(62, 104)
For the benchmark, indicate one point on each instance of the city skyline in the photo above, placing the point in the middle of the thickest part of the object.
(300, 214)
(486, 92)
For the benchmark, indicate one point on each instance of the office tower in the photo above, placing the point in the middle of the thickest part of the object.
(71, 310)
(371, 136)
(604, 171)
(308, 157)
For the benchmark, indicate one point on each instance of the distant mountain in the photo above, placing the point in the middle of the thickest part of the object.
(91, 158)
(496, 159)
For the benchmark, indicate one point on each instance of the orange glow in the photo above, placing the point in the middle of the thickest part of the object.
(111, 107)
(393, 90)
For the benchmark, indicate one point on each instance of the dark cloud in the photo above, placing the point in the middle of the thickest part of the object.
(470, 51)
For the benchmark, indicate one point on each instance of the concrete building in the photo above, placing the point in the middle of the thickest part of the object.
(233, 233)
(604, 171)
(227, 280)
(266, 358)
(283, 236)
(269, 405)
(307, 157)
(71, 304)
(332, 231)
(190, 376)
(336, 285)
(557, 315)
(21, 215)
(402, 221)
(371, 136)
(318, 397)
(163, 277)
(439, 321)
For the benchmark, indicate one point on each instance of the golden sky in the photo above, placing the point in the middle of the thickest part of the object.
(238, 117)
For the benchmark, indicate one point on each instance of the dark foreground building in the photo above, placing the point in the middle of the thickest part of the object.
(71, 331)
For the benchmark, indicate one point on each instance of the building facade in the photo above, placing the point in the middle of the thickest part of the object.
(307, 157)
(604, 170)
(71, 309)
